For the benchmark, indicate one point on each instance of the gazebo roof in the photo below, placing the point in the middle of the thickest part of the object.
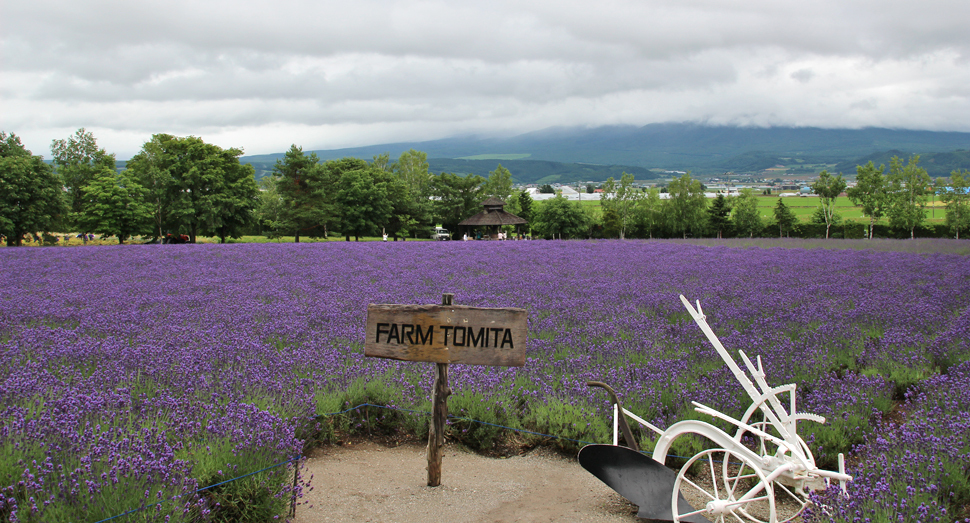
(494, 214)
(498, 217)
(492, 202)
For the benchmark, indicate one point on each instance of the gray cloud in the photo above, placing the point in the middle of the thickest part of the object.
(332, 74)
(803, 75)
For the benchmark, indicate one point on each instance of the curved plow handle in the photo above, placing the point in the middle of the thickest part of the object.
(620, 417)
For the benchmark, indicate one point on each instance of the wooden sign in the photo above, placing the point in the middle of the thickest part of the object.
(447, 334)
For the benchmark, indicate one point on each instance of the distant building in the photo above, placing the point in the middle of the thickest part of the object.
(492, 218)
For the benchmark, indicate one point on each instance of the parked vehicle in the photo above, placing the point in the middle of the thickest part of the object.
(441, 234)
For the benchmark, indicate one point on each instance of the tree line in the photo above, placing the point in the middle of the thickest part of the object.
(304, 197)
(902, 194)
(180, 188)
(174, 187)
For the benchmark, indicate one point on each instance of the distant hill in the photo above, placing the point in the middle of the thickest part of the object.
(523, 171)
(540, 172)
(937, 165)
(702, 149)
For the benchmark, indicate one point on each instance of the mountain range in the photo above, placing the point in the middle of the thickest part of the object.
(567, 155)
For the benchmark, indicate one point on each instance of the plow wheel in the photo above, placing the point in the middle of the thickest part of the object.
(790, 498)
(724, 489)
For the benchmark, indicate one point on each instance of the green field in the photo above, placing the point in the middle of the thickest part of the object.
(805, 207)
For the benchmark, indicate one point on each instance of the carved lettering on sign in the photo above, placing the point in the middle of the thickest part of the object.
(447, 334)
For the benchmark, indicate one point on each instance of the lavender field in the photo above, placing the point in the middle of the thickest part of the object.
(130, 375)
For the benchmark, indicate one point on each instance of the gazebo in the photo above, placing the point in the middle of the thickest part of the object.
(493, 215)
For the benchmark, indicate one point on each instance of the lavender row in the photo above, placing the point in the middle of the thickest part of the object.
(915, 471)
(133, 374)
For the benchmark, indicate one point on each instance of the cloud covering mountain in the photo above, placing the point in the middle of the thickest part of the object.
(262, 75)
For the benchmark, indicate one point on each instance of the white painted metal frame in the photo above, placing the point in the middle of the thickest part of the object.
(791, 464)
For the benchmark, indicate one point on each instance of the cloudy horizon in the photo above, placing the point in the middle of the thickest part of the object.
(327, 75)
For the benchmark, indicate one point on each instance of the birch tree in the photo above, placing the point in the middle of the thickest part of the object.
(621, 199)
(687, 206)
(955, 193)
(870, 192)
(908, 191)
(828, 188)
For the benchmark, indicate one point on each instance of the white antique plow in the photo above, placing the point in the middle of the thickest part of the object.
(763, 472)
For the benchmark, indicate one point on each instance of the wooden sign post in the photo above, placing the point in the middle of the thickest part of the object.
(444, 334)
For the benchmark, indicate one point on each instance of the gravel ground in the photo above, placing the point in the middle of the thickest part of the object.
(371, 482)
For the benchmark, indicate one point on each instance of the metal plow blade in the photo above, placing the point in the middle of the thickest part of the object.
(638, 478)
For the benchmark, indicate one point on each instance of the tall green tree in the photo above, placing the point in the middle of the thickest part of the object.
(410, 206)
(413, 167)
(828, 188)
(306, 196)
(908, 190)
(30, 192)
(686, 208)
(499, 184)
(524, 208)
(202, 188)
(955, 193)
(236, 206)
(215, 194)
(559, 218)
(150, 167)
(114, 204)
(525, 205)
(610, 222)
(718, 215)
(382, 162)
(649, 213)
(411, 192)
(269, 210)
(362, 198)
(621, 200)
(744, 213)
(456, 198)
(784, 217)
(869, 192)
(78, 160)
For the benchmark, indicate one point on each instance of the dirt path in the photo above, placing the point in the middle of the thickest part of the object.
(371, 482)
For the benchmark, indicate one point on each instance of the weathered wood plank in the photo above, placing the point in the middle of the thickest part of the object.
(447, 334)
(439, 412)
(439, 418)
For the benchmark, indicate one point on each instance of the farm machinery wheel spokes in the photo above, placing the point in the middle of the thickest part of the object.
(725, 489)
(791, 492)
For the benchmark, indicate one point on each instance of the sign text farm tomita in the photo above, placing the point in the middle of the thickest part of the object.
(447, 334)
(444, 334)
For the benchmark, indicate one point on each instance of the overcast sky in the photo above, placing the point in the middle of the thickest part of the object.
(262, 75)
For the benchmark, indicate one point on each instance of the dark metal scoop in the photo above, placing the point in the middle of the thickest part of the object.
(638, 478)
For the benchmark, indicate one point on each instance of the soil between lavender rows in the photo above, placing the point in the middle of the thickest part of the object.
(372, 482)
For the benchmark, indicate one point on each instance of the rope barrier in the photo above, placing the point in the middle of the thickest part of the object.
(352, 409)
